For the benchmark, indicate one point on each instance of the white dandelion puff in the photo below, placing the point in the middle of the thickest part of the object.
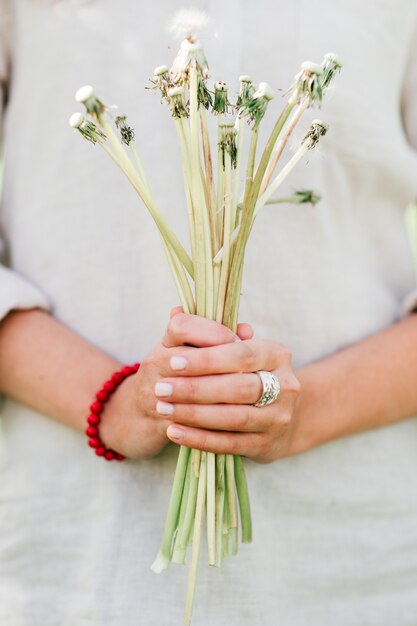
(188, 23)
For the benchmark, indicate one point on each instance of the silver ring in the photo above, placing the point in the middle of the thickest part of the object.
(270, 388)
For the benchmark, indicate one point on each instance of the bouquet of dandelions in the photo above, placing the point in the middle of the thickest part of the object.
(209, 277)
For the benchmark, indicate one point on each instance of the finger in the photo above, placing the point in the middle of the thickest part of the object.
(245, 444)
(227, 417)
(244, 331)
(224, 388)
(175, 310)
(196, 331)
(239, 356)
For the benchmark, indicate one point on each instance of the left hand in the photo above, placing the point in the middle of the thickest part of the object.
(211, 400)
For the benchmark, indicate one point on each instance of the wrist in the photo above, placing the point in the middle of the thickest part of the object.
(103, 399)
(306, 432)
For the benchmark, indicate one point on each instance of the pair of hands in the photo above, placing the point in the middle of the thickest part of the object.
(197, 388)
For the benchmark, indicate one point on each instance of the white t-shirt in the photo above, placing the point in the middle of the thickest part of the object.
(335, 530)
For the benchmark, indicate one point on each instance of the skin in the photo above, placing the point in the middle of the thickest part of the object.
(207, 403)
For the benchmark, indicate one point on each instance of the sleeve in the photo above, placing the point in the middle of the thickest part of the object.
(409, 117)
(16, 292)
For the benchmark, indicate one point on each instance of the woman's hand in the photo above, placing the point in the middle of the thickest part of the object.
(206, 394)
(132, 424)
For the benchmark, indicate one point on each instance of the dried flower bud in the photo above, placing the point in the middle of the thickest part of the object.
(204, 96)
(227, 142)
(307, 84)
(256, 106)
(127, 133)
(161, 70)
(221, 103)
(176, 99)
(87, 97)
(305, 196)
(87, 129)
(246, 90)
(76, 120)
(330, 67)
(317, 130)
(161, 80)
(189, 52)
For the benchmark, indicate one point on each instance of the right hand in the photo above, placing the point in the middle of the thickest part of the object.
(131, 424)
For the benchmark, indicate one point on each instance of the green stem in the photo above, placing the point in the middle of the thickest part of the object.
(220, 497)
(227, 231)
(123, 162)
(164, 556)
(243, 497)
(179, 553)
(279, 147)
(197, 195)
(185, 530)
(249, 207)
(211, 507)
(198, 526)
(208, 163)
(279, 179)
(180, 280)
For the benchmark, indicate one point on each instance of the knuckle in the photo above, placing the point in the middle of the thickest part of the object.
(190, 389)
(178, 325)
(284, 420)
(148, 361)
(233, 446)
(243, 418)
(283, 352)
(263, 450)
(242, 390)
(247, 356)
(290, 384)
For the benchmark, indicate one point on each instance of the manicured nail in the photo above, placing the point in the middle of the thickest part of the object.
(163, 389)
(174, 432)
(178, 363)
(164, 408)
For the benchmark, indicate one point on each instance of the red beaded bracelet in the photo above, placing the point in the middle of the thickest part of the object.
(97, 407)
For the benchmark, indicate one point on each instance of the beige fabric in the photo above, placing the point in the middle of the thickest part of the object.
(335, 537)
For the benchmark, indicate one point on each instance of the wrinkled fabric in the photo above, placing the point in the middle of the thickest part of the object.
(335, 530)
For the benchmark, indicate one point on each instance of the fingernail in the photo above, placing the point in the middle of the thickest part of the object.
(174, 432)
(163, 389)
(178, 363)
(164, 408)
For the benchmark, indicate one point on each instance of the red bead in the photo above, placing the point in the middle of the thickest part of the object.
(93, 419)
(102, 395)
(117, 377)
(109, 386)
(96, 407)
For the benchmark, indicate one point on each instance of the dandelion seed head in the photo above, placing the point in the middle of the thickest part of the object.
(176, 91)
(188, 23)
(84, 93)
(76, 120)
(160, 70)
(313, 68)
(333, 58)
(264, 91)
